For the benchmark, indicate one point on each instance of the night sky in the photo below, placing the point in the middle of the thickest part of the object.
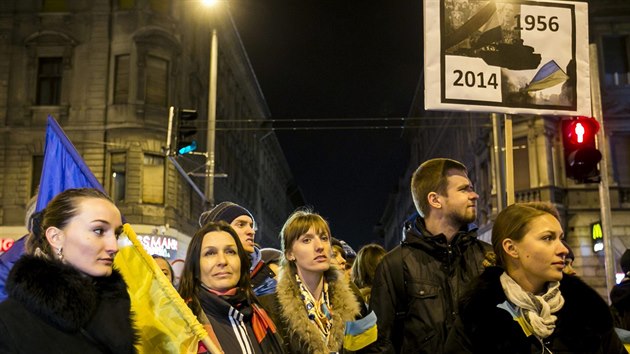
(334, 65)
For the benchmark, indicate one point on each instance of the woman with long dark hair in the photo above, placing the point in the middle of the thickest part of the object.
(215, 282)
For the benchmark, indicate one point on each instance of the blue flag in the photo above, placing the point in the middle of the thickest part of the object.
(63, 169)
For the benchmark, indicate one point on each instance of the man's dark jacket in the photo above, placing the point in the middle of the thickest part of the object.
(417, 285)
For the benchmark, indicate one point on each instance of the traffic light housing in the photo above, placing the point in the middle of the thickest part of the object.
(580, 151)
(186, 131)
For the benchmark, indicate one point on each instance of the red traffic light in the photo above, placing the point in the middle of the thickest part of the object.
(580, 150)
(582, 130)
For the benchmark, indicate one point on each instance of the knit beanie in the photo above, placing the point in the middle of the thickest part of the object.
(224, 211)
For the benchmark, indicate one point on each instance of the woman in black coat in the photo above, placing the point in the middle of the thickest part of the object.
(526, 305)
(64, 295)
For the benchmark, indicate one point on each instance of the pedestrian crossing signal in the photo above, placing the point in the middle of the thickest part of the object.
(580, 150)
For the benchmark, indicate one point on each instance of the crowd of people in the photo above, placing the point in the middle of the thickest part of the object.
(440, 291)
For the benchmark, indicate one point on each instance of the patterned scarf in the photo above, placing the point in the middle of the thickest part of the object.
(319, 311)
(536, 310)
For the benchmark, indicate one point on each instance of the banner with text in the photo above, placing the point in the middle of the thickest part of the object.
(507, 56)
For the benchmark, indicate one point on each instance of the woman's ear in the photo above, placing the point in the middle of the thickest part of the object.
(434, 200)
(55, 237)
(509, 247)
(289, 256)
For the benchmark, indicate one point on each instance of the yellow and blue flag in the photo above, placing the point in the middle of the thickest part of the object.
(360, 333)
(166, 323)
(548, 76)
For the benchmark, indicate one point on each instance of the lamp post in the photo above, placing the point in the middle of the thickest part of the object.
(212, 111)
(212, 116)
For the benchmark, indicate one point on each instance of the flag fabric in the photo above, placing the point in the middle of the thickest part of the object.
(63, 169)
(548, 76)
(7, 259)
(157, 305)
(360, 333)
(165, 322)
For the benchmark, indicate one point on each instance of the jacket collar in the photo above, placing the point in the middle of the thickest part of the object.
(344, 308)
(58, 293)
(417, 235)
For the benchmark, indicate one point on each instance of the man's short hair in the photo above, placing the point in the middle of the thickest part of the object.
(431, 177)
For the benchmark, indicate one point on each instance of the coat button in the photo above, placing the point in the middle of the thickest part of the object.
(421, 292)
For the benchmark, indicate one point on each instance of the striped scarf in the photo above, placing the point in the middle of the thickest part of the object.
(240, 312)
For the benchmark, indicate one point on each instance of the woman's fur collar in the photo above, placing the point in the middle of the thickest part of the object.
(344, 308)
(58, 293)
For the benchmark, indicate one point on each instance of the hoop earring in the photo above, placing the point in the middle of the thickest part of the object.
(59, 254)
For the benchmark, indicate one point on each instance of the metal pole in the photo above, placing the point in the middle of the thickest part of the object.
(509, 160)
(169, 132)
(498, 171)
(212, 117)
(604, 191)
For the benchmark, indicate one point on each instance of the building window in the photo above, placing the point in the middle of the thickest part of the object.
(521, 164)
(54, 6)
(121, 79)
(118, 169)
(49, 72)
(620, 145)
(156, 81)
(126, 4)
(616, 60)
(161, 6)
(38, 163)
(153, 179)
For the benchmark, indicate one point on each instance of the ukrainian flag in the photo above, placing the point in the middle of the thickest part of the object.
(360, 333)
(165, 322)
(548, 76)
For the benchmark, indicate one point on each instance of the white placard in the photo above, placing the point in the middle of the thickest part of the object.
(518, 57)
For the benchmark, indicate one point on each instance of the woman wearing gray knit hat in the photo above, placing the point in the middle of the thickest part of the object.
(242, 221)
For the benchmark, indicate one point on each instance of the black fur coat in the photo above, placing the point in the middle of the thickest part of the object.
(584, 324)
(53, 308)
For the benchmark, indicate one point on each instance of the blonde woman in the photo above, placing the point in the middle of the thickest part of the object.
(526, 304)
(313, 306)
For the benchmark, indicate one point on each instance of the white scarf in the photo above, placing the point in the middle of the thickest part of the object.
(537, 310)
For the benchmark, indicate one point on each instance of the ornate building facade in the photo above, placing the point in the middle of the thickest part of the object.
(108, 71)
(539, 165)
